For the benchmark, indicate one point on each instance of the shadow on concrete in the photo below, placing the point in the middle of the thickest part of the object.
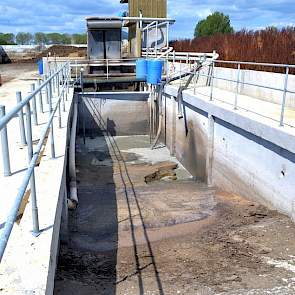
(87, 264)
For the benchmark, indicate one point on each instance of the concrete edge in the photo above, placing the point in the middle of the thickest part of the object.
(58, 216)
(255, 124)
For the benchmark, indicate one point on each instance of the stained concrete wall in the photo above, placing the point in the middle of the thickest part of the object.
(122, 115)
(235, 151)
(186, 139)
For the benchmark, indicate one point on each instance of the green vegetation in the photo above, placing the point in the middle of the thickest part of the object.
(39, 38)
(7, 39)
(23, 38)
(79, 38)
(216, 23)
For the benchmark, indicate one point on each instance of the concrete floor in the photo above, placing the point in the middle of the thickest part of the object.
(166, 237)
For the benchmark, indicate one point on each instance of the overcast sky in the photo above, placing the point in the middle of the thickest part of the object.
(68, 16)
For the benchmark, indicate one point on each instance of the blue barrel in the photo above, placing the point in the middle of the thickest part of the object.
(141, 69)
(40, 66)
(154, 71)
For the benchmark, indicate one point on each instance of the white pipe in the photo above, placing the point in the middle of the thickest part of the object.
(73, 200)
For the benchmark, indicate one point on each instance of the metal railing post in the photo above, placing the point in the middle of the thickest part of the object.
(237, 87)
(34, 105)
(195, 79)
(156, 47)
(167, 34)
(68, 72)
(58, 84)
(52, 125)
(52, 83)
(63, 100)
(180, 71)
(284, 97)
(21, 120)
(40, 98)
(76, 70)
(46, 91)
(32, 180)
(59, 114)
(212, 80)
(4, 145)
(55, 77)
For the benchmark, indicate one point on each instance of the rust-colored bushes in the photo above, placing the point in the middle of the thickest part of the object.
(270, 46)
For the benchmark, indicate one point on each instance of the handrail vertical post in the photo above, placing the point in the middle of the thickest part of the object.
(68, 73)
(195, 79)
(34, 105)
(40, 98)
(57, 79)
(58, 83)
(212, 80)
(5, 146)
(32, 180)
(59, 115)
(21, 120)
(237, 86)
(52, 125)
(180, 71)
(63, 98)
(76, 70)
(156, 45)
(46, 90)
(284, 97)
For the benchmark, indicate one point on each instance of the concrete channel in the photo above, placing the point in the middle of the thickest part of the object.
(205, 212)
(148, 222)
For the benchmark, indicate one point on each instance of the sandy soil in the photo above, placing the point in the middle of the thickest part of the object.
(181, 237)
(13, 71)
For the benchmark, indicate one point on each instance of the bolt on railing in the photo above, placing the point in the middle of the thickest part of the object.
(27, 138)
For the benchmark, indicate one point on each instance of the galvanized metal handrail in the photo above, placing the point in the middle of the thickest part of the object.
(211, 76)
(29, 176)
(20, 106)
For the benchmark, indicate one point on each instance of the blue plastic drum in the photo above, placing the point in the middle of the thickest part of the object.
(141, 69)
(154, 71)
(40, 66)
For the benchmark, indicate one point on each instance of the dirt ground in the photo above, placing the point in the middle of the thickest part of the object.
(17, 71)
(167, 237)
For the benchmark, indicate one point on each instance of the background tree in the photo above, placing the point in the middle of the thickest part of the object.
(216, 23)
(7, 39)
(57, 38)
(23, 38)
(79, 39)
(40, 38)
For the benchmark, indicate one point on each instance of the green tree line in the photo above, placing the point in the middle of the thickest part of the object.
(39, 38)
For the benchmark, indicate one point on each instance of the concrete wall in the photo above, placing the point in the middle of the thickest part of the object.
(187, 140)
(121, 115)
(232, 150)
